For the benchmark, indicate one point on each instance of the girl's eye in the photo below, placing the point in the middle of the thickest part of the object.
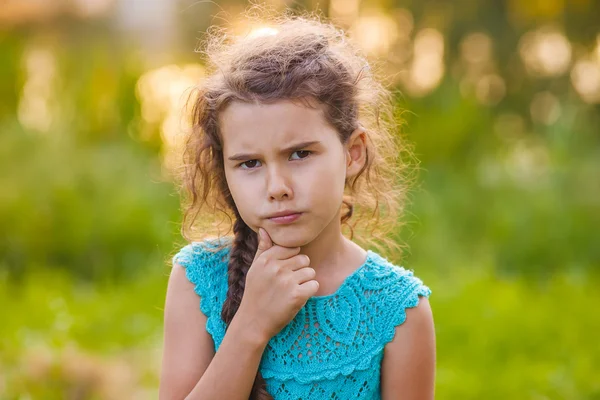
(250, 164)
(301, 154)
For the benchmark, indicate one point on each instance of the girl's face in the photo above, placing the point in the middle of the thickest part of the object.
(283, 158)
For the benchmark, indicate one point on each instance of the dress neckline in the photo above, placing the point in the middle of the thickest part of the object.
(345, 282)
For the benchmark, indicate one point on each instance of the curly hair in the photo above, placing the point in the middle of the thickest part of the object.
(301, 58)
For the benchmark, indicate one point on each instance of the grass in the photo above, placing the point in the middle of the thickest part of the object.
(497, 338)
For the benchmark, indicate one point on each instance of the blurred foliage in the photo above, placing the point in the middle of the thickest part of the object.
(503, 227)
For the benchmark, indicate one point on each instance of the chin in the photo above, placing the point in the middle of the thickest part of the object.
(290, 237)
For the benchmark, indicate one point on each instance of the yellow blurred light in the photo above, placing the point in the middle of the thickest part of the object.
(404, 21)
(490, 89)
(425, 74)
(34, 111)
(163, 94)
(277, 4)
(161, 91)
(585, 77)
(427, 68)
(251, 28)
(429, 42)
(598, 49)
(545, 52)
(545, 108)
(344, 9)
(91, 8)
(259, 31)
(476, 48)
(375, 33)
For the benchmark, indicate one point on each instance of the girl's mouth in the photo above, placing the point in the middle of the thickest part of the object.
(285, 219)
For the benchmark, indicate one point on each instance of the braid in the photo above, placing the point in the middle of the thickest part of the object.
(245, 244)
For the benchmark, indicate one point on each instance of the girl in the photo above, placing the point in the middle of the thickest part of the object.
(292, 140)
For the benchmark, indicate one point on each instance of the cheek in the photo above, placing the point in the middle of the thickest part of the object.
(241, 194)
(328, 184)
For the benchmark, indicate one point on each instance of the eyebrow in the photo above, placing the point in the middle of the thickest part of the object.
(251, 156)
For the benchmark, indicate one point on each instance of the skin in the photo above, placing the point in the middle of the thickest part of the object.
(265, 174)
(312, 183)
(309, 179)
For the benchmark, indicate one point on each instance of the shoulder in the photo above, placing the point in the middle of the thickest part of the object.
(407, 331)
(397, 295)
(397, 285)
(210, 250)
(408, 365)
(204, 264)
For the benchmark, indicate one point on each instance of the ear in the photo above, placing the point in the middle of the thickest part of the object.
(356, 152)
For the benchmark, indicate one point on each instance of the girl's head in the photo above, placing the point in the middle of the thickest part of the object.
(291, 120)
(284, 156)
(301, 81)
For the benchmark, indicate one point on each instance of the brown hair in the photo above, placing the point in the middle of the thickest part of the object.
(300, 59)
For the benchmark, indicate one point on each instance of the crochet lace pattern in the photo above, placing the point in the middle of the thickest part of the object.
(334, 346)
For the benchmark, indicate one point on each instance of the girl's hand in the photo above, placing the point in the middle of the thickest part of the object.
(278, 284)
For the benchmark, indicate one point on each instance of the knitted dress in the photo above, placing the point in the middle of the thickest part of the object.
(334, 346)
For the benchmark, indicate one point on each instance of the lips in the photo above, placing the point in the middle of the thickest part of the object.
(283, 213)
(284, 217)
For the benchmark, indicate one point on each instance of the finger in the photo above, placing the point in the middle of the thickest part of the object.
(297, 262)
(308, 288)
(264, 242)
(304, 275)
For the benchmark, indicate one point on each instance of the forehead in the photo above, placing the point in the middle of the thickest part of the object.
(255, 125)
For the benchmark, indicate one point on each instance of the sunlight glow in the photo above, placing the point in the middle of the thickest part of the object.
(345, 10)
(262, 31)
(545, 52)
(476, 48)
(427, 69)
(92, 8)
(163, 93)
(375, 33)
(585, 77)
(34, 108)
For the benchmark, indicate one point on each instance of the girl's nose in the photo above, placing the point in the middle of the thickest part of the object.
(279, 186)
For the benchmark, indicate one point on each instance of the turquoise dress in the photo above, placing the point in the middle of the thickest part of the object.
(334, 346)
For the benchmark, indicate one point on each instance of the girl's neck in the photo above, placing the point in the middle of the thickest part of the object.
(332, 254)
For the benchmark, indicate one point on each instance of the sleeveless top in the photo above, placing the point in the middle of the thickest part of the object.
(334, 346)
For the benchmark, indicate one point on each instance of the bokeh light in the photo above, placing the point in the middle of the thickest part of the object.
(476, 48)
(375, 32)
(35, 105)
(585, 77)
(546, 52)
(427, 66)
(344, 11)
(163, 94)
(497, 101)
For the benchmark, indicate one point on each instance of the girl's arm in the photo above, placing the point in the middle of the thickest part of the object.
(191, 369)
(408, 366)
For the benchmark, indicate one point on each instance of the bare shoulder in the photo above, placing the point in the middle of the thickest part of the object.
(188, 348)
(408, 366)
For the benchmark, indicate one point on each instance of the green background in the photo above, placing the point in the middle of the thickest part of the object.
(502, 107)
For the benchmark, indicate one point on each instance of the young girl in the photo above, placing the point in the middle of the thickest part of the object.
(293, 140)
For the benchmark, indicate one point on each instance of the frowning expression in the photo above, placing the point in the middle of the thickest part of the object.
(285, 167)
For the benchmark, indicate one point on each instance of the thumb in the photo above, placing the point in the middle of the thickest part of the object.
(264, 242)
